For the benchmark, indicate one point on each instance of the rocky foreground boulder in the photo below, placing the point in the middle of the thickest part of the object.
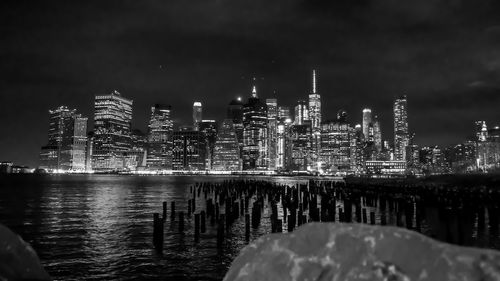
(18, 261)
(335, 251)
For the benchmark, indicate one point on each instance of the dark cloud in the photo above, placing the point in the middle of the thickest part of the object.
(444, 54)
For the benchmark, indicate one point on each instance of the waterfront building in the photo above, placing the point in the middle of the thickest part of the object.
(197, 114)
(67, 141)
(89, 151)
(357, 150)
(138, 149)
(462, 157)
(300, 146)
(255, 133)
(386, 168)
(226, 155)
(367, 121)
(413, 159)
(189, 150)
(235, 113)
(272, 115)
(335, 153)
(209, 128)
(159, 139)
(488, 151)
(6, 167)
(401, 132)
(112, 127)
(432, 160)
(301, 113)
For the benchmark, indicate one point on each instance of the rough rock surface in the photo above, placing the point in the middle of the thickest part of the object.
(18, 261)
(333, 251)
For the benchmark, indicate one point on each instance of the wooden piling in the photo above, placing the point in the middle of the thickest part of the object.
(164, 211)
(197, 227)
(247, 227)
(172, 210)
(181, 221)
(203, 222)
(157, 231)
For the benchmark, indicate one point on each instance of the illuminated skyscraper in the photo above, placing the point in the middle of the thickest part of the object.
(112, 121)
(160, 130)
(357, 149)
(197, 114)
(315, 118)
(226, 156)
(377, 134)
(367, 120)
(235, 113)
(481, 131)
(272, 114)
(255, 133)
(315, 106)
(335, 153)
(139, 148)
(67, 141)
(282, 143)
(300, 147)
(401, 133)
(301, 113)
(189, 150)
(209, 128)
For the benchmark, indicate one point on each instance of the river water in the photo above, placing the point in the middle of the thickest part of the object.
(99, 227)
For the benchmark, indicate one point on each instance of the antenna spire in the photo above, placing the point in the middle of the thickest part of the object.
(314, 81)
(254, 89)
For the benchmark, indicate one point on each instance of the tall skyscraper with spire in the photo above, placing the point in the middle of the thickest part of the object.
(401, 133)
(255, 133)
(315, 106)
(315, 117)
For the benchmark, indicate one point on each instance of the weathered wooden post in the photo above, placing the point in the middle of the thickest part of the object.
(203, 222)
(181, 221)
(247, 227)
(157, 231)
(164, 211)
(172, 210)
(220, 231)
(279, 227)
(290, 223)
(196, 227)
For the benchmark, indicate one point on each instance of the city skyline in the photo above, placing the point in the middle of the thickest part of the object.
(305, 112)
(268, 137)
(441, 54)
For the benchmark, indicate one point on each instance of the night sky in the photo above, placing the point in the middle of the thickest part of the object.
(444, 54)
